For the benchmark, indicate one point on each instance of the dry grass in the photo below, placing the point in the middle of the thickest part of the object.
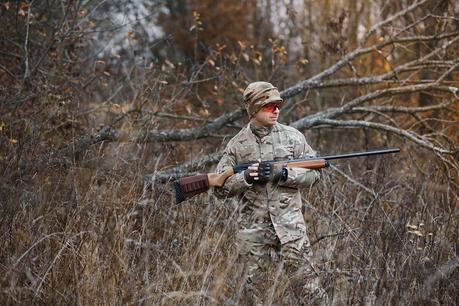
(92, 237)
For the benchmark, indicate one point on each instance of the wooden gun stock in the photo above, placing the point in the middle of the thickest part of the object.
(189, 186)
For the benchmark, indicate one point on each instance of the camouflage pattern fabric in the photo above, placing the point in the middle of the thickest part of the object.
(270, 214)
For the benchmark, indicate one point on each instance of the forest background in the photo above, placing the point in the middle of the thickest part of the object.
(104, 102)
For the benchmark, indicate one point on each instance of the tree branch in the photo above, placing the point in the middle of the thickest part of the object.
(418, 139)
(311, 120)
(390, 19)
(189, 134)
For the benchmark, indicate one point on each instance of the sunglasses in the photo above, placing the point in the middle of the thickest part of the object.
(271, 107)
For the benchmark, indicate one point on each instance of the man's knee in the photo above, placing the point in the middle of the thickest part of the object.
(298, 257)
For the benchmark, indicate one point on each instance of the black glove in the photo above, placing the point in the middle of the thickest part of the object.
(266, 172)
(263, 173)
(280, 174)
(249, 179)
(269, 172)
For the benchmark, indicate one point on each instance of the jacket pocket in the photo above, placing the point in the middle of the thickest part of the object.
(283, 152)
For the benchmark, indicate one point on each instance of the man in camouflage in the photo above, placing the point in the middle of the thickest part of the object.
(270, 220)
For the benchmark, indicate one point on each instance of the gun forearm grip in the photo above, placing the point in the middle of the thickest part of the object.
(309, 164)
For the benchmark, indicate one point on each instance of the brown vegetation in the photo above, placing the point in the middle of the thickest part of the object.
(92, 135)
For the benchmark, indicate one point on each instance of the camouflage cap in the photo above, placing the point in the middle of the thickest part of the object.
(258, 94)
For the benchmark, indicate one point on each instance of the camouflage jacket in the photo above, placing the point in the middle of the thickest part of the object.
(279, 203)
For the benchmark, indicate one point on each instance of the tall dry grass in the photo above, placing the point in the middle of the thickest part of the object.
(96, 237)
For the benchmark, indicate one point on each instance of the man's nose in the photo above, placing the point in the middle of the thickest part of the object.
(276, 110)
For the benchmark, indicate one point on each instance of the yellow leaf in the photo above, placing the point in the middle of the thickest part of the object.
(417, 233)
(303, 61)
(204, 112)
(387, 66)
(242, 45)
(412, 227)
(259, 56)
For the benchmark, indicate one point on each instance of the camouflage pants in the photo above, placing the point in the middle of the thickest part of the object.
(259, 245)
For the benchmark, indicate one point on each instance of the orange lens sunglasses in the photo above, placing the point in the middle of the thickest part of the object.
(271, 107)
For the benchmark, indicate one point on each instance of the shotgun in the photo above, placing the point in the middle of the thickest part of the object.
(187, 187)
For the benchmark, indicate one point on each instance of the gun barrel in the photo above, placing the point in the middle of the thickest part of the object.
(363, 153)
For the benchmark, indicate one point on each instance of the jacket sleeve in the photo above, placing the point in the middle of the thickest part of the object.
(235, 184)
(301, 177)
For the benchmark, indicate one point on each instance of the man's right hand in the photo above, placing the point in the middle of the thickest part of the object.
(251, 174)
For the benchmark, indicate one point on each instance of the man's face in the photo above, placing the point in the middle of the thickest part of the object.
(268, 114)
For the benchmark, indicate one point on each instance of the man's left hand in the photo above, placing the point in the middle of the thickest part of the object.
(271, 172)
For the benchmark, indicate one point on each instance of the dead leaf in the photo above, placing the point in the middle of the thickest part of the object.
(303, 61)
(23, 5)
(417, 233)
(242, 45)
(169, 63)
(412, 227)
(188, 108)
